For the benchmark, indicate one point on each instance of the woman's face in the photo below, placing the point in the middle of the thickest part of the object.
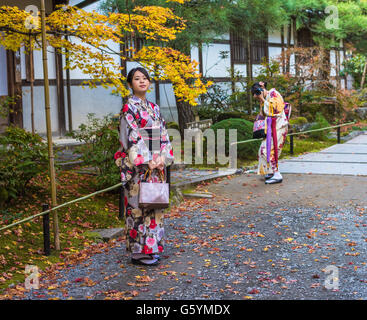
(140, 83)
(263, 92)
(258, 97)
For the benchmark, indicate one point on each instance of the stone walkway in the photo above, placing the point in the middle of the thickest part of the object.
(187, 176)
(349, 158)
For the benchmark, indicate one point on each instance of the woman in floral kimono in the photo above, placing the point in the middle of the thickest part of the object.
(143, 228)
(276, 128)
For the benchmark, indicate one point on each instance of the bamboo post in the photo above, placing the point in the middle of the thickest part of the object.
(31, 78)
(48, 126)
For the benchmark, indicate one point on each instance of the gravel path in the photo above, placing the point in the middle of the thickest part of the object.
(248, 242)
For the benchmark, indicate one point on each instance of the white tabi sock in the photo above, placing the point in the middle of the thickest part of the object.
(277, 175)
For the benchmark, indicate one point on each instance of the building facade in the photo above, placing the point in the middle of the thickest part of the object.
(70, 102)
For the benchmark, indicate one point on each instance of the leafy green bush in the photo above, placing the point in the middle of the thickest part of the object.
(101, 141)
(231, 115)
(5, 105)
(172, 125)
(354, 66)
(298, 121)
(321, 122)
(23, 155)
(244, 132)
(208, 112)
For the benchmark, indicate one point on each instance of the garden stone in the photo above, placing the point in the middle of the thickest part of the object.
(362, 112)
(108, 234)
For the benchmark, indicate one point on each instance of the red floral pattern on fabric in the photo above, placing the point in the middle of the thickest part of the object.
(152, 224)
(133, 233)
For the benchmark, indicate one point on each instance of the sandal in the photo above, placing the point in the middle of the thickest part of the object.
(155, 256)
(273, 180)
(145, 261)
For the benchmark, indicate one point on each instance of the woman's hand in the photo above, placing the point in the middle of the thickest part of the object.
(261, 97)
(152, 165)
(160, 163)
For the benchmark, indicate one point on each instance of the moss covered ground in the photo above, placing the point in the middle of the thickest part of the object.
(23, 244)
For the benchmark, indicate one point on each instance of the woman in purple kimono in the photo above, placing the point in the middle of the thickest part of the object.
(140, 121)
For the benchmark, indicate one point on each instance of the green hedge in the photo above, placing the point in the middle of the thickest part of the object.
(245, 151)
(321, 122)
(231, 115)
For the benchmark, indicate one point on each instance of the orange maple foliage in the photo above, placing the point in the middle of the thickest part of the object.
(89, 41)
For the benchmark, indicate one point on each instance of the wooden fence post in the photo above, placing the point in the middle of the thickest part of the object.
(46, 230)
(291, 151)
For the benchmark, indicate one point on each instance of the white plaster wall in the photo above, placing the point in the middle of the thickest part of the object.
(195, 55)
(213, 64)
(332, 63)
(275, 36)
(256, 70)
(38, 64)
(224, 36)
(241, 68)
(168, 102)
(274, 52)
(39, 109)
(225, 86)
(99, 101)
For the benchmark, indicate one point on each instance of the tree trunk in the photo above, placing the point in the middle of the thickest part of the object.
(364, 74)
(185, 115)
(184, 109)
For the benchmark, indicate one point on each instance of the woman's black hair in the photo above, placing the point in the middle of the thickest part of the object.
(256, 86)
(130, 76)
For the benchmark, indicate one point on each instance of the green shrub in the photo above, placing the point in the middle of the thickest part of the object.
(244, 132)
(23, 155)
(101, 141)
(231, 115)
(208, 112)
(172, 125)
(298, 121)
(321, 122)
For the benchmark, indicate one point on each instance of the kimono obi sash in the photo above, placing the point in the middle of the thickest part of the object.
(151, 137)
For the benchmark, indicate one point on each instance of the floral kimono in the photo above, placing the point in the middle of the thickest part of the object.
(143, 228)
(276, 127)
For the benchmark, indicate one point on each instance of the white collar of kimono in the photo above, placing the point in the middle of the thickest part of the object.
(138, 102)
(134, 99)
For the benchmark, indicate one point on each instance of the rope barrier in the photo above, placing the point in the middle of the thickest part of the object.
(60, 206)
(120, 184)
(297, 133)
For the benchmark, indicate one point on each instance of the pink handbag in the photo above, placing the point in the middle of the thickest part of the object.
(259, 127)
(154, 195)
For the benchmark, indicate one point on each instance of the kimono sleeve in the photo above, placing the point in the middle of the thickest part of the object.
(275, 105)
